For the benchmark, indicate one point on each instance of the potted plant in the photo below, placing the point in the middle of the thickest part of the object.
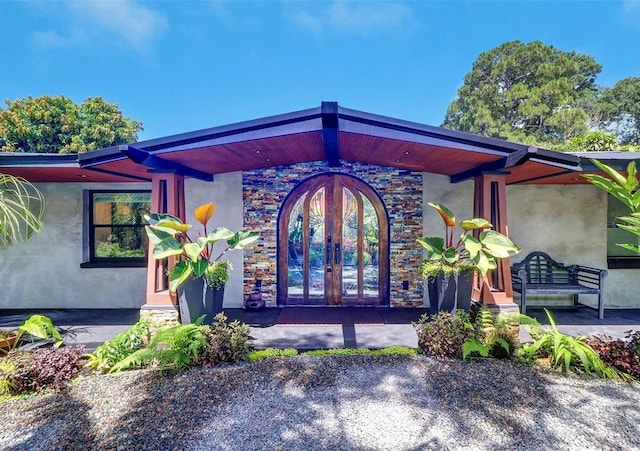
(200, 276)
(450, 266)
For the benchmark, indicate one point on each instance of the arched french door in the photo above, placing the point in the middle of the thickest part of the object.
(333, 244)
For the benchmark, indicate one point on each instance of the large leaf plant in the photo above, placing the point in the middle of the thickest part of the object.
(168, 235)
(469, 252)
(626, 190)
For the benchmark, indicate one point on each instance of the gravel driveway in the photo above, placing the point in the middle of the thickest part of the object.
(350, 403)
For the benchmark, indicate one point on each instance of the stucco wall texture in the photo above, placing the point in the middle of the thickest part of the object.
(568, 222)
(45, 272)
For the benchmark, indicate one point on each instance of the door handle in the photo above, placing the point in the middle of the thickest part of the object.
(338, 254)
(329, 256)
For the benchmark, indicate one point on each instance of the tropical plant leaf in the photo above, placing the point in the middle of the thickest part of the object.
(42, 327)
(240, 240)
(167, 247)
(498, 245)
(167, 222)
(473, 245)
(433, 244)
(181, 272)
(447, 215)
(475, 223)
(219, 234)
(204, 212)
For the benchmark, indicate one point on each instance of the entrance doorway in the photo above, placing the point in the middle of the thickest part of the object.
(333, 244)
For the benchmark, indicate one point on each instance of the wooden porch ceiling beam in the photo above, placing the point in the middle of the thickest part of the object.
(146, 159)
(513, 159)
(329, 114)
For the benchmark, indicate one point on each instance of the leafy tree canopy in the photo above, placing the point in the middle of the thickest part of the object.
(529, 93)
(56, 125)
(618, 110)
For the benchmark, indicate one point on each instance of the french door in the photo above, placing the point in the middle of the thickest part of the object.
(333, 244)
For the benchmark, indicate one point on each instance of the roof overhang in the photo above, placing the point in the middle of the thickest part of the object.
(329, 133)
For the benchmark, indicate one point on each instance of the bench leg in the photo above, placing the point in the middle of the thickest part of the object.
(600, 305)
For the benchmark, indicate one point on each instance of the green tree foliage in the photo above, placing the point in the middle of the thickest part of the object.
(529, 93)
(618, 110)
(56, 125)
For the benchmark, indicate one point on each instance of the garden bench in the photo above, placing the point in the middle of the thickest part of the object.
(539, 274)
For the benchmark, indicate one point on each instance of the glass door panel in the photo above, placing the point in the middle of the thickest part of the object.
(371, 253)
(333, 244)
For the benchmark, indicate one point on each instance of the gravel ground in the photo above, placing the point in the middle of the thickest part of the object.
(363, 403)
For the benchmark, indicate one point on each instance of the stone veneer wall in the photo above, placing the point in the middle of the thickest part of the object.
(264, 191)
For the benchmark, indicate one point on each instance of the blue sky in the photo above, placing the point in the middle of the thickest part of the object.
(185, 65)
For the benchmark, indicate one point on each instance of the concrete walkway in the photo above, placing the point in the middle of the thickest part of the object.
(92, 327)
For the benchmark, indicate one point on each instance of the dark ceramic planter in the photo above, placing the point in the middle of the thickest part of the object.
(450, 293)
(196, 298)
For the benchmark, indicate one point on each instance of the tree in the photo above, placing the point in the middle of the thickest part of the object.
(618, 110)
(56, 125)
(529, 93)
(21, 210)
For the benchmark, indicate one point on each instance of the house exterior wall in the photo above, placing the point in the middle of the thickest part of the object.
(264, 191)
(45, 272)
(569, 223)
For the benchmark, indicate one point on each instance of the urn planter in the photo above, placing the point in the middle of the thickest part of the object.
(196, 298)
(449, 293)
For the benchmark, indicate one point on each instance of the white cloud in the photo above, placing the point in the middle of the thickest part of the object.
(363, 18)
(126, 21)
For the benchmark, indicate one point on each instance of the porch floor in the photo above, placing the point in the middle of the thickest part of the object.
(92, 327)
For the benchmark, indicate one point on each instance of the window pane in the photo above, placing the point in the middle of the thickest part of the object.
(120, 242)
(120, 208)
(118, 224)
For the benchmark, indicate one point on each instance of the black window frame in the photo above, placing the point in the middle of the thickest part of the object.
(90, 260)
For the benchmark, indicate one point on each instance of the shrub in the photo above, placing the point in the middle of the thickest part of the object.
(566, 352)
(172, 347)
(495, 337)
(123, 345)
(30, 371)
(442, 335)
(225, 342)
(623, 355)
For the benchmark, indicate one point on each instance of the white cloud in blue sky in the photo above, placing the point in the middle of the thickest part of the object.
(361, 18)
(129, 23)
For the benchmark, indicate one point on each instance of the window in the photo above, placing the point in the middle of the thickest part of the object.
(618, 257)
(114, 226)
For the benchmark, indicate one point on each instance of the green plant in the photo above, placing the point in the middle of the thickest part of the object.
(469, 252)
(626, 190)
(168, 235)
(173, 347)
(37, 326)
(217, 274)
(496, 337)
(31, 371)
(270, 353)
(623, 355)
(21, 210)
(123, 345)
(566, 352)
(226, 342)
(442, 335)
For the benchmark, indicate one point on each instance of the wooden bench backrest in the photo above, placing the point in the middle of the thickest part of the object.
(543, 269)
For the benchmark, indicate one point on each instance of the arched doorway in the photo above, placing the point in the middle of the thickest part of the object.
(333, 244)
